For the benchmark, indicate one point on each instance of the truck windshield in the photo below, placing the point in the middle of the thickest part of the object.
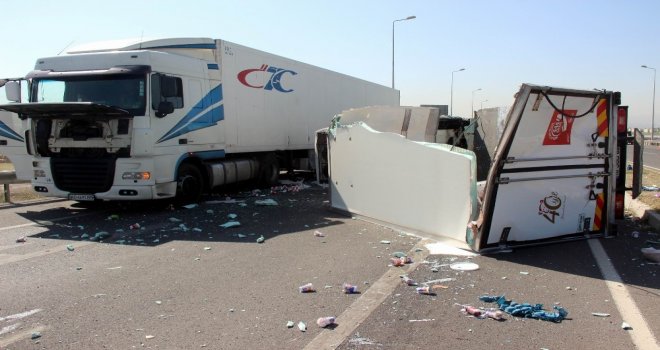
(122, 91)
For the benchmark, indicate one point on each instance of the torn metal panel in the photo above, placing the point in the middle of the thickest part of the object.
(414, 123)
(425, 187)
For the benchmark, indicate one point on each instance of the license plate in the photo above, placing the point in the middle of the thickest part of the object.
(81, 197)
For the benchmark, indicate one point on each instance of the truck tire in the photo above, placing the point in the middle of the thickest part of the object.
(269, 171)
(189, 184)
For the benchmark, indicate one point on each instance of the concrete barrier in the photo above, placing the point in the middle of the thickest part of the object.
(7, 178)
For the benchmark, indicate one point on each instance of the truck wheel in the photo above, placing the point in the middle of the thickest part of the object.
(190, 185)
(269, 171)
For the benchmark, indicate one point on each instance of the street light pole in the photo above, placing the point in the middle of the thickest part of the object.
(397, 20)
(451, 98)
(482, 104)
(473, 91)
(653, 104)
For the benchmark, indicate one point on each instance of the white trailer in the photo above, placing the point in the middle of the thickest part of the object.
(154, 119)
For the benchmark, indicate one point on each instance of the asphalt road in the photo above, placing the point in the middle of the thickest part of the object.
(194, 284)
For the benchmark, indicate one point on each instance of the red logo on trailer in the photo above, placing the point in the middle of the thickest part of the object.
(559, 130)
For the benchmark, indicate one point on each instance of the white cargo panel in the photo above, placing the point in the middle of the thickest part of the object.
(422, 187)
(274, 103)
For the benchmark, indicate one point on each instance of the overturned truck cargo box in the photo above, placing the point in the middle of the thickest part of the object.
(558, 174)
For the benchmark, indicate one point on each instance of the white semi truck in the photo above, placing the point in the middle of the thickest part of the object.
(150, 119)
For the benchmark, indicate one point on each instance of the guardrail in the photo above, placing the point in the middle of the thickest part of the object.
(7, 178)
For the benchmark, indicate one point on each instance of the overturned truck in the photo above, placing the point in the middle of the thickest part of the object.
(557, 173)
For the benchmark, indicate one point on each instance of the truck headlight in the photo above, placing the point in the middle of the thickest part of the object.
(39, 173)
(144, 175)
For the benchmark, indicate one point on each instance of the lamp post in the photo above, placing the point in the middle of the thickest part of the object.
(473, 91)
(482, 104)
(451, 98)
(652, 111)
(397, 20)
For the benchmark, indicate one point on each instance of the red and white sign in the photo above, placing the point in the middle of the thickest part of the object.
(559, 129)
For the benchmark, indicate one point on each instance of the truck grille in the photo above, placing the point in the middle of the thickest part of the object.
(83, 175)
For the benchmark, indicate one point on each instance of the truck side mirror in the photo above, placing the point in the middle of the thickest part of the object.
(13, 91)
(164, 108)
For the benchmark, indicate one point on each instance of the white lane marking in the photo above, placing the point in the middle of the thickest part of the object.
(19, 316)
(10, 258)
(9, 328)
(363, 306)
(20, 336)
(47, 222)
(641, 334)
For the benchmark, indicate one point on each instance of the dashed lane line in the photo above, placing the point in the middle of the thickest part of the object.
(641, 334)
(362, 307)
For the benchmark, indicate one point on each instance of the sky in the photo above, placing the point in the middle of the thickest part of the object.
(580, 44)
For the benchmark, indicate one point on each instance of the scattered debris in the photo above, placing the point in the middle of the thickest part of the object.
(240, 235)
(441, 280)
(425, 290)
(307, 288)
(399, 254)
(350, 288)
(650, 188)
(174, 220)
(302, 326)
(535, 311)
(21, 239)
(135, 226)
(207, 248)
(232, 216)
(319, 234)
(261, 239)
(439, 286)
(290, 324)
(35, 335)
(229, 224)
(209, 211)
(226, 201)
(114, 268)
(600, 314)
(524, 273)
(625, 326)
(191, 206)
(423, 320)
(70, 247)
(113, 217)
(325, 321)
(464, 266)
(651, 253)
(266, 202)
(158, 302)
(407, 280)
(84, 236)
(99, 236)
(385, 242)
(479, 313)
(401, 261)
(149, 336)
(635, 234)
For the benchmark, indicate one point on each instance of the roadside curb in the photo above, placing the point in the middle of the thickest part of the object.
(643, 211)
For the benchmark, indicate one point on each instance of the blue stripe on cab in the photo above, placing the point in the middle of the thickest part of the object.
(213, 66)
(194, 121)
(6, 131)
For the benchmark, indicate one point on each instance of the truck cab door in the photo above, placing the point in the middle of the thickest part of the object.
(551, 178)
(13, 142)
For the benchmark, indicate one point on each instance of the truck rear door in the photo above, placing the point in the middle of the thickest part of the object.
(552, 177)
